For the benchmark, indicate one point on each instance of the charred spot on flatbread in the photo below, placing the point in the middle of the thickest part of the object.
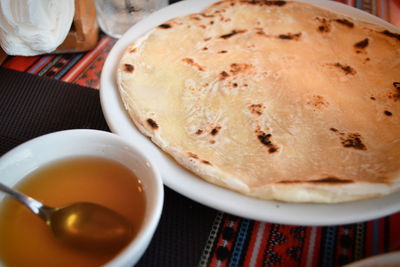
(260, 31)
(215, 130)
(256, 109)
(391, 34)
(205, 162)
(317, 102)
(196, 157)
(192, 63)
(199, 132)
(164, 26)
(152, 123)
(387, 113)
(362, 44)
(223, 75)
(232, 33)
(265, 139)
(345, 68)
(331, 180)
(345, 22)
(266, 2)
(324, 25)
(207, 15)
(290, 36)
(128, 68)
(353, 140)
(395, 95)
(275, 3)
(192, 155)
(237, 68)
(350, 140)
(290, 182)
(194, 17)
(273, 149)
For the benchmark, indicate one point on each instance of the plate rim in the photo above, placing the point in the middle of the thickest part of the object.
(209, 194)
(379, 259)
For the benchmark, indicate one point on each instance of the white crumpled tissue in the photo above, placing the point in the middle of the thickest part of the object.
(33, 27)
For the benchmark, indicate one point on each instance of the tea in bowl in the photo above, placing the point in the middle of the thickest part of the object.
(69, 167)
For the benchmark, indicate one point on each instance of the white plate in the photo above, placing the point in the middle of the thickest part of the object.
(189, 185)
(387, 259)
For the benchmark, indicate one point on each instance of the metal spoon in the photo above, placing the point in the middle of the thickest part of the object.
(81, 225)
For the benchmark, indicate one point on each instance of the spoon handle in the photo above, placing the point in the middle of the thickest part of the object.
(32, 204)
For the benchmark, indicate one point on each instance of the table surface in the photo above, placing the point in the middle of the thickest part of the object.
(192, 234)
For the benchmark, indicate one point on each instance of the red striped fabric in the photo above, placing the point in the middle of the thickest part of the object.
(80, 68)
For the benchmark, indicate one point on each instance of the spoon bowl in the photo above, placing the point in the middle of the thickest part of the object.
(91, 227)
(81, 225)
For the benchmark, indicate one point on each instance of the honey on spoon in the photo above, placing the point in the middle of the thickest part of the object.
(81, 225)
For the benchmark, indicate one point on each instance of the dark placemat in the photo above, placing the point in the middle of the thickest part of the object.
(31, 106)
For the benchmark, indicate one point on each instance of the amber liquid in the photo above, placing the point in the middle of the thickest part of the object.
(25, 240)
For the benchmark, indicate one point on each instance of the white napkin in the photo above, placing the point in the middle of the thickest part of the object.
(33, 27)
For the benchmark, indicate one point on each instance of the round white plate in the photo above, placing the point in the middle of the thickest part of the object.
(189, 185)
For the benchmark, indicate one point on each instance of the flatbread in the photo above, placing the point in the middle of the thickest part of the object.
(271, 99)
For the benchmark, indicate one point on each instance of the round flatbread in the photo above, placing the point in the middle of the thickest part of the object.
(273, 99)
